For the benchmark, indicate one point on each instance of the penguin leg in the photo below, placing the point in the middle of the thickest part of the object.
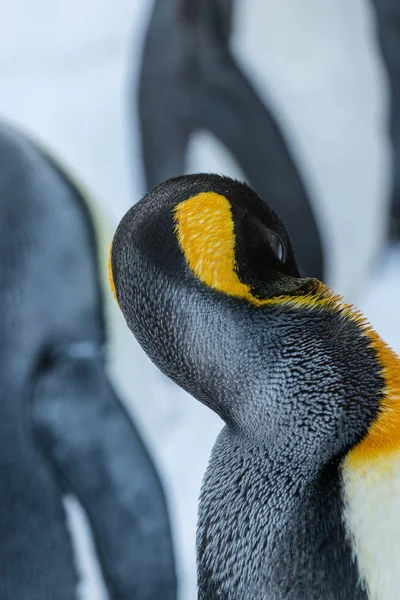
(99, 455)
(388, 27)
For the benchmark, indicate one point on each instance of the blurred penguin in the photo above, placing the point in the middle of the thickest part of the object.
(190, 82)
(63, 430)
(264, 91)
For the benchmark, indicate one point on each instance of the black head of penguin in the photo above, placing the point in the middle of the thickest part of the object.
(204, 273)
(166, 295)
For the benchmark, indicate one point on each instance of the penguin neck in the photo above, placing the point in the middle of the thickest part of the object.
(266, 521)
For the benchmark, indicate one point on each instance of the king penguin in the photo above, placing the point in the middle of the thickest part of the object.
(301, 497)
(63, 429)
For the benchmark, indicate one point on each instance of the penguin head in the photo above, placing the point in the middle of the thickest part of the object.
(221, 229)
(208, 230)
(205, 274)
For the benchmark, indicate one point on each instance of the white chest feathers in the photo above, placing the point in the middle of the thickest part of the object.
(372, 519)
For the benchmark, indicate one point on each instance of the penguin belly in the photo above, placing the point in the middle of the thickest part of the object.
(372, 519)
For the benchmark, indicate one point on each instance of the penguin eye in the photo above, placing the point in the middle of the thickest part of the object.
(276, 244)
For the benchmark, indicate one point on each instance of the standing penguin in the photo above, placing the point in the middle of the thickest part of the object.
(63, 430)
(301, 497)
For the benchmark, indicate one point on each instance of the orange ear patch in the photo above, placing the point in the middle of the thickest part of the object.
(205, 231)
(110, 275)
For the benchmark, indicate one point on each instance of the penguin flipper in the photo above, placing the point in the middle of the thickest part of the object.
(99, 455)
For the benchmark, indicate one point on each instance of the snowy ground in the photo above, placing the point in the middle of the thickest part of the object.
(66, 69)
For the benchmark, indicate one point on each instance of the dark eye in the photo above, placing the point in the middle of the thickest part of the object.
(276, 244)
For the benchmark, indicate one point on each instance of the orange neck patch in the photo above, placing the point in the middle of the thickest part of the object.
(383, 438)
(110, 275)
